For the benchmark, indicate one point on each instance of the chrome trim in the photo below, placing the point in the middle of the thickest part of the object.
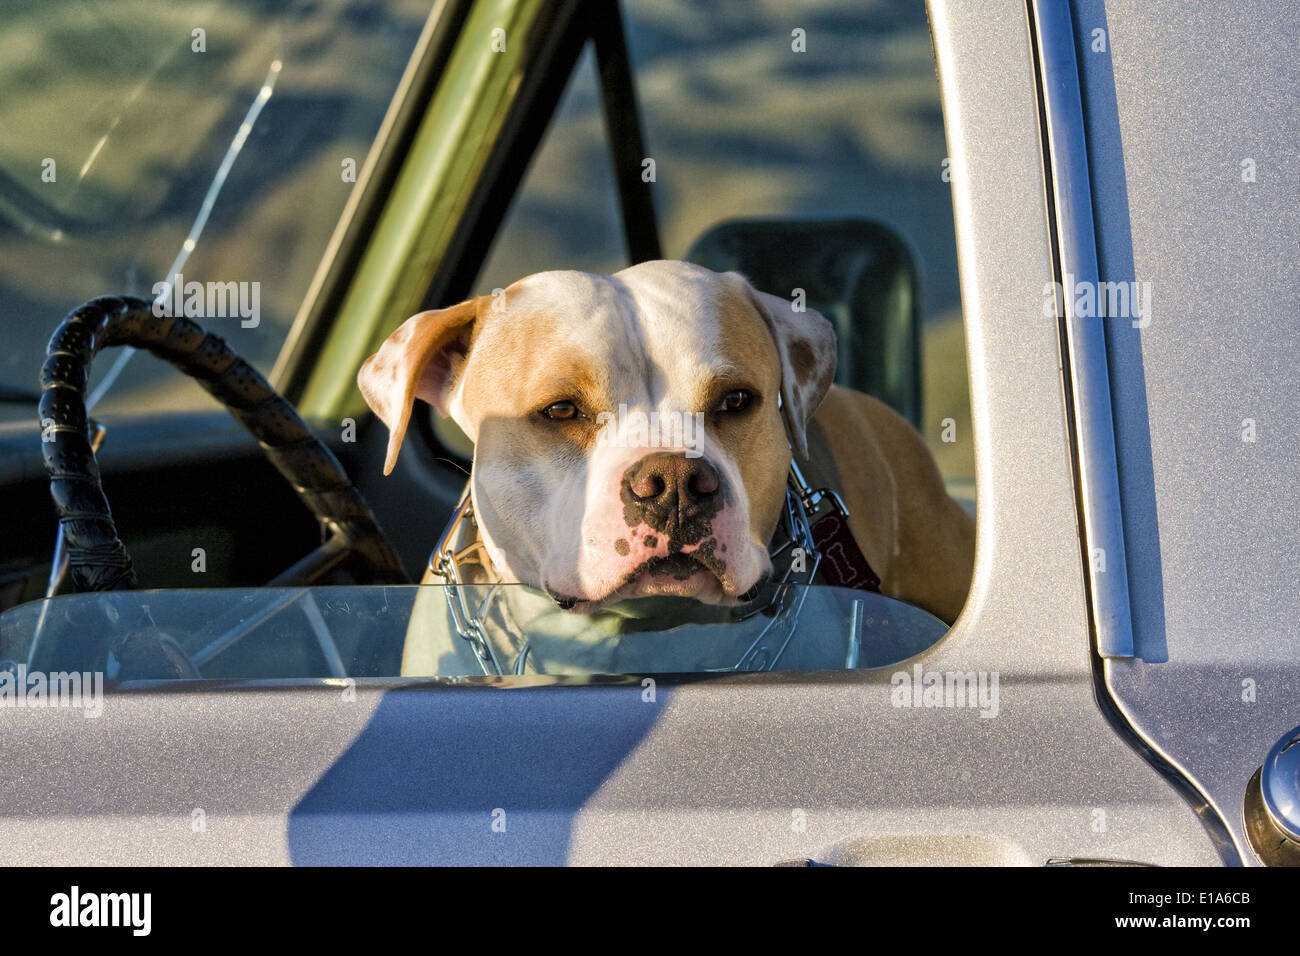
(1280, 785)
(1071, 200)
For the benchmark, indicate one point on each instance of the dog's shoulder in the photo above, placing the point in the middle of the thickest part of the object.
(848, 416)
(859, 427)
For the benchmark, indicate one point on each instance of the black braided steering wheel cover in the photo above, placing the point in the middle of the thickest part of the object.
(98, 561)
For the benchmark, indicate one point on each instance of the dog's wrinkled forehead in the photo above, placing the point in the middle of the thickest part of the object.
(562, 309)
(667, 323)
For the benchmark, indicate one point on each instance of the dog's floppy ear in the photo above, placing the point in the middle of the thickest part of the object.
(423, 358)
(806, 343)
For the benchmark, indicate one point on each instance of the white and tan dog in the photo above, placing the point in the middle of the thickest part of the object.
(554, 382)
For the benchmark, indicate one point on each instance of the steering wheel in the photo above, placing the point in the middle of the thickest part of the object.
(97, 559)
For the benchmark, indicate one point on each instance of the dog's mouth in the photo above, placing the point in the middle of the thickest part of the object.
(694, 574)
(680, 566)
(681, 574)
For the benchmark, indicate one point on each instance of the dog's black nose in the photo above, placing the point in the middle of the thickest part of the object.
(667, 480)
(671, 493)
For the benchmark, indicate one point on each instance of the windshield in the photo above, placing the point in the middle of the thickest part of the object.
(420, 631)
(220, 140)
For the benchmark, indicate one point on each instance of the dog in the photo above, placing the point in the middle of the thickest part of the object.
(555, 379)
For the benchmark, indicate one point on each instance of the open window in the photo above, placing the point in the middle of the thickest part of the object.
(803, 150)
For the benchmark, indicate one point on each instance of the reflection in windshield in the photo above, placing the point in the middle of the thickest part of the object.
(191, 242)
(116, 121)
(410, 631)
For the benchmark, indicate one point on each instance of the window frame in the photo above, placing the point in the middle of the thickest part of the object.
(339, 324)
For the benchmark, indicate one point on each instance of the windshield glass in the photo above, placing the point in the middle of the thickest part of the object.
(218, 139)
(423, 631)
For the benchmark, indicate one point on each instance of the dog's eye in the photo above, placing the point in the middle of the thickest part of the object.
(734, 401)
(561, 411)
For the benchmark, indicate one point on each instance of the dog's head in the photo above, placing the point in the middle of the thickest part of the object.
(628, 439)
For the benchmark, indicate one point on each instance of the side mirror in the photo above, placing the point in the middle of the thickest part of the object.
(859, 274)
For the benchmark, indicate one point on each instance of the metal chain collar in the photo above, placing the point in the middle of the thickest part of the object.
(795, 560)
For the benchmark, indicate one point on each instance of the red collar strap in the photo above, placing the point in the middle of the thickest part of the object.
(843, 563)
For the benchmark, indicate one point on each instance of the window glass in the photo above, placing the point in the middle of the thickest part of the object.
(118, 121)
(566, 214)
